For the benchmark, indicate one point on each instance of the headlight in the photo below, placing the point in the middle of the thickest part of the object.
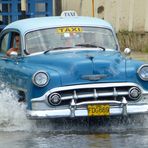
(40, 78)
(143, 72)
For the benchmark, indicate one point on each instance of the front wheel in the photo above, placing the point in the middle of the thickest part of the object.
(21, 96)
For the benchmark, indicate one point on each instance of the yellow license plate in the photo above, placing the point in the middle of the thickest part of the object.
(98, 110)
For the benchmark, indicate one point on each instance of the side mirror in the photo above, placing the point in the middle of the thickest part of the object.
(127, 51)
(13, 54)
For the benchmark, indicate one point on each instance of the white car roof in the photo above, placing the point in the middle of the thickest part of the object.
(31, 24)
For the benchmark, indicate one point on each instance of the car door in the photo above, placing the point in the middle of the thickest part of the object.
(8, 64)
(4, 46)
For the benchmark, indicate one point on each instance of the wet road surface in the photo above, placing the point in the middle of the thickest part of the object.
(129, 139)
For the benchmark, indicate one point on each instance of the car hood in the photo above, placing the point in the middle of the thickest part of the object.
(91, 66)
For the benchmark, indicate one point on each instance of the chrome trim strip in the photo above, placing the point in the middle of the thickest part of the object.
(114, 110)
(85, 86)
(98, 102)
(99, 85)
(94, 95)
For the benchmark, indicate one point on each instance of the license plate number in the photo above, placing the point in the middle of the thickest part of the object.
(98, 110)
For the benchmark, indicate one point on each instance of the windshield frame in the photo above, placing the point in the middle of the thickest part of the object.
(41, 52)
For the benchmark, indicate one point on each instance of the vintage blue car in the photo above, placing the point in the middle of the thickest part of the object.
(71, 66)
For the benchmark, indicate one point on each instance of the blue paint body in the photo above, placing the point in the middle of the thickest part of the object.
(65, 68)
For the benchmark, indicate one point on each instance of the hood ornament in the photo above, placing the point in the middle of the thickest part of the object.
(94, 77)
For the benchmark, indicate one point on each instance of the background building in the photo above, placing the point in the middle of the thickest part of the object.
(129, 15)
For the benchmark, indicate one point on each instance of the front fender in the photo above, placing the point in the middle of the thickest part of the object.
(131, 73)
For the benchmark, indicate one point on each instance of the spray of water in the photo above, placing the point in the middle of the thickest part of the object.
(12, 113)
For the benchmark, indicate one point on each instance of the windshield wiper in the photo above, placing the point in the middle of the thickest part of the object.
(56, 48)
(90, 45)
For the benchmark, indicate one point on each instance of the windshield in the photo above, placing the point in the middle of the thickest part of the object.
(52, 38)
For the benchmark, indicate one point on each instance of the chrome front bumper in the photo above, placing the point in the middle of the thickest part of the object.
(41, 107)
(116, 108)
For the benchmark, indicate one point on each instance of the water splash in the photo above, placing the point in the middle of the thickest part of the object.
(12, 113)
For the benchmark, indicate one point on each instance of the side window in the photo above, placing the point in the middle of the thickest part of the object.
(5, 43)
(10, 42)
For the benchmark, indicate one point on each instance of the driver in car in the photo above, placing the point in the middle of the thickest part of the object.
(16, 45)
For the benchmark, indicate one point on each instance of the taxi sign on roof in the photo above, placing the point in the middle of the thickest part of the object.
(69, 29)
(69, 13)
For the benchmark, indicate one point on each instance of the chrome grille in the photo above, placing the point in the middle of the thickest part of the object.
(95, 92)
